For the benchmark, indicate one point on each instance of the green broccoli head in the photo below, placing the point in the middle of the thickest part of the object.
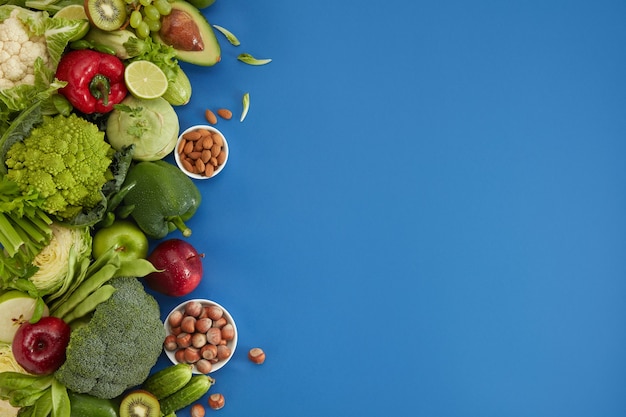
(118, 347)
(65, 159)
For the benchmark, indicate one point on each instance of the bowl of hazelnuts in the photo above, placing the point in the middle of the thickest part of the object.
(201, 333)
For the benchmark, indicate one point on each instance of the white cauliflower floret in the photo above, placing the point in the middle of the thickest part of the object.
(18, 52)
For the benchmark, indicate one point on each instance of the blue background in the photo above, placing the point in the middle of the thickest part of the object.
(424, 210)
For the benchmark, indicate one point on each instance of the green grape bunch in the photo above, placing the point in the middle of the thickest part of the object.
(145, 15)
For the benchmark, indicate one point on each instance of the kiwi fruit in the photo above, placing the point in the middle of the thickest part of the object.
(106, 14)
(140, 403)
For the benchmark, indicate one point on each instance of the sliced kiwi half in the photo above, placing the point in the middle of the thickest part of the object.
(106, 14)
(140, 403)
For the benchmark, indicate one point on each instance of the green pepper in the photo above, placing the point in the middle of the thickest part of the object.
(85, 405)
(162, 199)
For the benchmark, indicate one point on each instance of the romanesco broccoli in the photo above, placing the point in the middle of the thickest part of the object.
(119, 345)
(65, 159)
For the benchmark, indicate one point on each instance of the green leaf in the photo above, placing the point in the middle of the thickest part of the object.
(250, 60)
(229, 35)
(246, 106)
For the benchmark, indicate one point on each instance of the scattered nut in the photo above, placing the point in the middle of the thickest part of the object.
(216, 401)
(225, 114)
(197, 410)
(210, 117)
(170, 343)
(256, 355)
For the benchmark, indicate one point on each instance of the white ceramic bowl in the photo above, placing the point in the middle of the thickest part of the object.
(179, 158)
(231, 344)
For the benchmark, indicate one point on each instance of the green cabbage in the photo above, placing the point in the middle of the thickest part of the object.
(56, 260)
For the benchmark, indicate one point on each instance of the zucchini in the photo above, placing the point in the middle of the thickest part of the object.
(190, 393)
(168, 380)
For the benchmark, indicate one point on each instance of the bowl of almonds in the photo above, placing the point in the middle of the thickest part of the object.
(201, 151)
(201, 333)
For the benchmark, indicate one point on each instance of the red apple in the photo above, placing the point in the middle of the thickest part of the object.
(40, 347)
(180, 268)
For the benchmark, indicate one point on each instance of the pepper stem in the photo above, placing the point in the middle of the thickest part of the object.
(180, 225)
(100, 88)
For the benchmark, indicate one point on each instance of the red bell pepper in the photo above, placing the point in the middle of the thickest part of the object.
(95, 80)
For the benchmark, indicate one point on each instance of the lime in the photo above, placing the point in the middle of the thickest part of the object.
(72, 12)
(75, 12)
(145, 79)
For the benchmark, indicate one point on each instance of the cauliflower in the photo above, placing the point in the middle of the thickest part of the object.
(66, 160)
(19, 50)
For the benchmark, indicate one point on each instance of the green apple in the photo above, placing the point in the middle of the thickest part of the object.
(16, 308)
(127, 238)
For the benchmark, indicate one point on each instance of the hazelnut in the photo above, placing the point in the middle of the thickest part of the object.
(193, 308)
(219, 323)
(208, 351)
(214, 335)
(179, 355)
(203, 324)
(192, 355)
(216, 401)
(256, 355)
(214, 312)
(170, 343)
(204, 366)
(183, 340)
(175, 318)
(197, 410)
(198, 340)
(223, 352)
(188, 324)
(228, 332)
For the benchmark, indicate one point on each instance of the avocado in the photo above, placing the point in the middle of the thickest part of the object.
(190, 34)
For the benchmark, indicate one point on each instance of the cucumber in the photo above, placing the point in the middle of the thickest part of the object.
(85, 405)
(190, 393)
(178, 92)
(168, 380)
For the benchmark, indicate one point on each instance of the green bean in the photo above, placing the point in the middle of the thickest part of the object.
(86, 269)
(90, 303)
(103, 48)
(87, 287)
(80, 44)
